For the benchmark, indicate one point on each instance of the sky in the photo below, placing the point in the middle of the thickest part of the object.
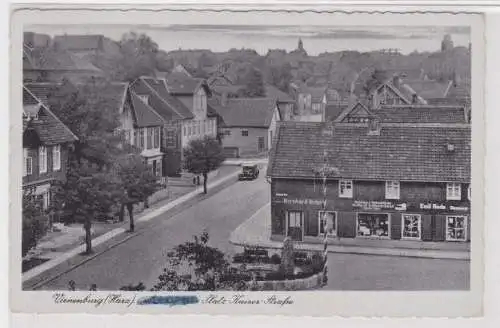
(316, 38)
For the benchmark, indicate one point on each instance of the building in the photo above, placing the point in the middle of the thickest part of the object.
(359, 113)
(84, 45)
(286, 103)
(46, 146)
(185, 115)
(247, 125)
(48, 65)
(310, 103)
(389, 181)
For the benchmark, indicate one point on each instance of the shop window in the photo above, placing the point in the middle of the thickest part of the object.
(345, 188)
(244, 133)
(330, 218)
(453, 191)
(42, 157)
(456, 228)
(373, 225)
(392, 189)
(411, 226)
(294, 226)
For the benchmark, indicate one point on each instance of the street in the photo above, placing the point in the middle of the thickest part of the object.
(371, 272)
(142, 258)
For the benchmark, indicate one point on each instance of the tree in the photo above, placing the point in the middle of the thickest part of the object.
(195, 265)
(378, 77)
(136, 181)
(202, 156)
(33, 227)
(280, 76)
(86, 193)
(254, 86)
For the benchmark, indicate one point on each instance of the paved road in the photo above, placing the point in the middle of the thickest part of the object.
(369, 272)
(141, 259)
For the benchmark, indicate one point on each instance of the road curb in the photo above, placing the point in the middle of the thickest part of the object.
(71, 254)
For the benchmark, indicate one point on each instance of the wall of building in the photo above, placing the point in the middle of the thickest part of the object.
(36, 177)
(245, 144)
(368, 197)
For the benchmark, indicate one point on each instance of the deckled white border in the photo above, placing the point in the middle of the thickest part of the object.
(476, 187)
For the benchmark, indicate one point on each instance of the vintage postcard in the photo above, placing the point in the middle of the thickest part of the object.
(203, 160)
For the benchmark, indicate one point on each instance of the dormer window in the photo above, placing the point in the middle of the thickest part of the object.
(453, 191)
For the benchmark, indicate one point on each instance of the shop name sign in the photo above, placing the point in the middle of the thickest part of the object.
(302, 201)
(378, 205)
(434, 206)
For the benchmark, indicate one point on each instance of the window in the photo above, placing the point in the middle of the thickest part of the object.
(141, 138)
(392, 189)
(345, 188)
(198, 128)
(244, 133)
(469, 193)
(42, 158)
(373, 225)
(331, 223)
(156, 138)
(185, 130)
(189, 130)
(144, 98)
(453, 191)
(203, 124)
(149, 138)
(28, 163)
(56, 158)
(46, 200)
(411, 226)
(227, 132)
(456, 228)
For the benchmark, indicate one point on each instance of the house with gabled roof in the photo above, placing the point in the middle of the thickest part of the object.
(386, 182)
(184, 113)
(46, 146)
(247, 125)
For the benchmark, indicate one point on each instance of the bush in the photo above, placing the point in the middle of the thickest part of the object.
(33, 229)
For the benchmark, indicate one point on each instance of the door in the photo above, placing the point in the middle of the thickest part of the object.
(260, 144)
(294, 225)
(154, 168)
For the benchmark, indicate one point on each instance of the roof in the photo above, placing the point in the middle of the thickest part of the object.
(47, 59)
(246, 112)
(421, 114)
(144, 115)
(78, 42)
(167, 106)
(282, 97)
(42, 90)
(332, 111)
(49, 128)
(400, 152)
(180, 84)
(429, 88)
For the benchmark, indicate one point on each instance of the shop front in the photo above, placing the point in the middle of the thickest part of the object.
(304, 220)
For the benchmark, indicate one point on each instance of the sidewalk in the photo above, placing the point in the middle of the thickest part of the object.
(256, 231)
(63, 247)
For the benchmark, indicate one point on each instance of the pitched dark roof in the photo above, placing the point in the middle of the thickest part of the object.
(421, 114)
(180, 84)
(429, 88)
(42, 90)
(160, 100)
(282, 97)
(332, 111)
(246, 112)
(48, 59)
(144, 115)
(400, 152)
(48, 127)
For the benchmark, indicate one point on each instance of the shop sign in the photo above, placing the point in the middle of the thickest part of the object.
(443, 207)
(378, 205)
(302, 201)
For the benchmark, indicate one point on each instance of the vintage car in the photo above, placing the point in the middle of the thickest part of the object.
(249, 172)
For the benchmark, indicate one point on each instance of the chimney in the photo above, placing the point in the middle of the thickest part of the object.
(374, 127)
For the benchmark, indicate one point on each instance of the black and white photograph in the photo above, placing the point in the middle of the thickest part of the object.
(246, 156)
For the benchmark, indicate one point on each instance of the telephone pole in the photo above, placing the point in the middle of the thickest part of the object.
(324, 172)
